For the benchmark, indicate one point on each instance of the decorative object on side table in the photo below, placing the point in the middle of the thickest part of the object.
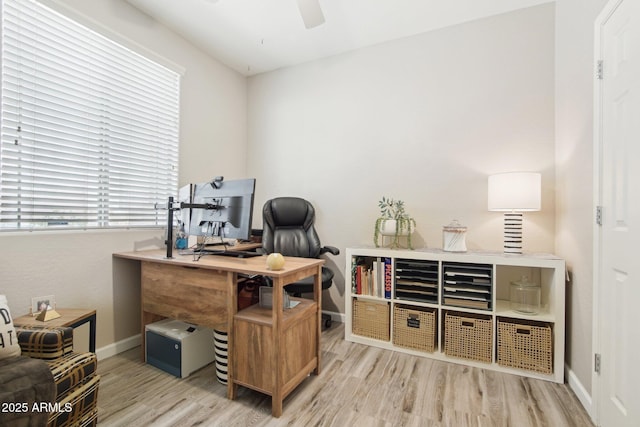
(46, 315)
(394, 222)
(44, 308)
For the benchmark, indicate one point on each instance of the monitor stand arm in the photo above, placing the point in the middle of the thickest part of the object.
(169, 241)
(171, 209)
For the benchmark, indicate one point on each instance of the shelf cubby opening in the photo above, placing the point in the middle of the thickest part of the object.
(416, 280)
(467, 285)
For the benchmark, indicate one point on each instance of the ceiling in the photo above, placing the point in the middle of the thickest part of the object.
(255, 36)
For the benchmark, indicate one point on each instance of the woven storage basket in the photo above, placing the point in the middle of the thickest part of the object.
(371, 319)
(525, 345)
(468, 336)
(414, 328)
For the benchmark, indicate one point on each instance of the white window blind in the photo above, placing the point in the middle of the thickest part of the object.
(89, 128)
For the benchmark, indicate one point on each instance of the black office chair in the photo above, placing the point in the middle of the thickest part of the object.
(288, 229)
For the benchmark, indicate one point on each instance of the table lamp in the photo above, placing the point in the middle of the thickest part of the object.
(514, 193)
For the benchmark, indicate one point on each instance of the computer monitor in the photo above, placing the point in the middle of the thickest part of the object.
(222, 208)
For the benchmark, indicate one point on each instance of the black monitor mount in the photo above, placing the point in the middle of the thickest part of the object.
(172, 208)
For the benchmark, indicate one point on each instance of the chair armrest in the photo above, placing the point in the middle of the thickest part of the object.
(331, 249)
(45, 343)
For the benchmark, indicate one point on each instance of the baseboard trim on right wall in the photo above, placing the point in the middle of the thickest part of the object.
(581, 393)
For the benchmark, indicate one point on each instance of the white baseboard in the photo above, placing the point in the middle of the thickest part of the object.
(118, 347)
(581, 393)
(335, 317)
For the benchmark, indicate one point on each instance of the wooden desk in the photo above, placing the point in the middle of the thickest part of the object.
(69, 317)
(204, 292)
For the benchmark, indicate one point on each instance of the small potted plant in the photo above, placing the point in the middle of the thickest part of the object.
(394, 222)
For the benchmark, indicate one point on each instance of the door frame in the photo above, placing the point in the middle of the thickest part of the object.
(596, 383)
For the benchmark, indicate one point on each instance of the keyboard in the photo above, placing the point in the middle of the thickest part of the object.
(231, 253)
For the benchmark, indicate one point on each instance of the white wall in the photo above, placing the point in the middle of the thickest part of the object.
(424, 119)
(77, 266)
(574, 186)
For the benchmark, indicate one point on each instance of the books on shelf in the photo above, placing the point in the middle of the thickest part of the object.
(372, 276)
(387, 277)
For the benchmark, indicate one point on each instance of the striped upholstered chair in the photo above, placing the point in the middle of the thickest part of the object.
(74, 374)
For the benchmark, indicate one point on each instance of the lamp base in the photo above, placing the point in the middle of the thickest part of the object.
(513, 232)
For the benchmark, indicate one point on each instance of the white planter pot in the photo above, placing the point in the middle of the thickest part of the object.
(388, 228)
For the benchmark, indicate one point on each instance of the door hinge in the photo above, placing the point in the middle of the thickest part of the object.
(596, 363)
(599, 215)
(599, 70)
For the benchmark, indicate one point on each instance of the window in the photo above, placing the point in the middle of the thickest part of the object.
(89, 128)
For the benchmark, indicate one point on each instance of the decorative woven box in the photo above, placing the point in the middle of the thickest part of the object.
(371, 319)
(525, 345)
(414, 328)
(468, 336)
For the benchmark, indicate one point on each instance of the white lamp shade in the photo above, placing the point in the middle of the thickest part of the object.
(515, 191)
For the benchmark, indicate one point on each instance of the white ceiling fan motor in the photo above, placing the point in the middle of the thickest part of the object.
(311, 13)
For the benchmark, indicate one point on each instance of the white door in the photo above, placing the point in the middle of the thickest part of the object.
(618, 239)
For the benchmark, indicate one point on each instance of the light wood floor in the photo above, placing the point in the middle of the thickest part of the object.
(359, 386)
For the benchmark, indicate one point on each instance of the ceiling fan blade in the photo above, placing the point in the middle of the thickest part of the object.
(311, 13)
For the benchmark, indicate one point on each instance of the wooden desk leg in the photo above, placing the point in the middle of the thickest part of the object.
(145, 316)
(276, 406)
(276, 374)
(232, 309)
(317, 296)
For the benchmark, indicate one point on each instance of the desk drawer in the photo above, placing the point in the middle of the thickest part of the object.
(194, 295)
(253, 356)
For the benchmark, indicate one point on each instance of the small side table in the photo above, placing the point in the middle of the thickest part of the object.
(69, 317)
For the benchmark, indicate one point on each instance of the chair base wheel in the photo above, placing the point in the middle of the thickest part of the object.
(327, 321)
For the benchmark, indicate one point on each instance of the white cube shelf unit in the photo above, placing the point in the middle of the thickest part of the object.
(395, 296)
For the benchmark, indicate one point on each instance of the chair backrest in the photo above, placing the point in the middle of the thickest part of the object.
(288, 227)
